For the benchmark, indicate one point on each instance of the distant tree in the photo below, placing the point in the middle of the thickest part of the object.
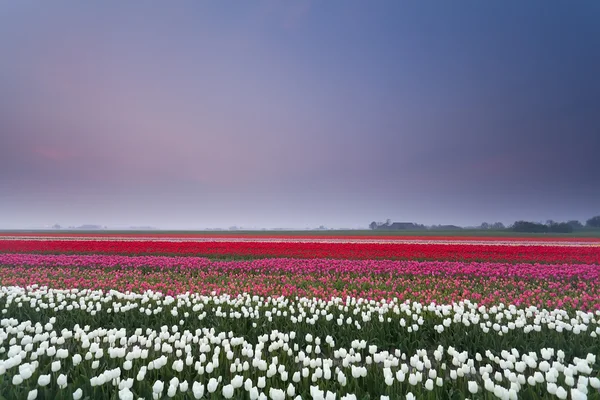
(449, 227)
(56, 226)
(373, 225)
(549, 222)
(529, 227)
(575, 224)
(561, 227)
(484, 225)
(593, 222)
(498, 225)
(388, 222)
(533, 227)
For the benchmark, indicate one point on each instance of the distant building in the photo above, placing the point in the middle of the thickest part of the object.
(89, 227)
(396, 226)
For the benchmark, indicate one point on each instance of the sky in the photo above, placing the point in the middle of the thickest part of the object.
(271, 113)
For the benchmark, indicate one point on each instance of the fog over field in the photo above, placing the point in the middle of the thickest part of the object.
(277, 114)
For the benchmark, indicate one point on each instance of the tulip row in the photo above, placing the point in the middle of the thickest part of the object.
(282, 236)
(402, 251)
(308, 266)
(543, 285)
(338, 240)
(91, 344)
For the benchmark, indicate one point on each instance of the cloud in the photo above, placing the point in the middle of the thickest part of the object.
(52, 154)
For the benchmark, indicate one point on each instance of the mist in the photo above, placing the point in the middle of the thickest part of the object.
(296, 115)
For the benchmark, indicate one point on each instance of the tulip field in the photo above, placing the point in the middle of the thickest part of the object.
(265, 317)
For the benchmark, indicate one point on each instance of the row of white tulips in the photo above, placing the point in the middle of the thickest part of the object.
(49, 357)
(356, 312)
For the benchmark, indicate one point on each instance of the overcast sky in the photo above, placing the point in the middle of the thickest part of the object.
(296, 114)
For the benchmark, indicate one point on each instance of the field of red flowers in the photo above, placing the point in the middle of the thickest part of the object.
(519, 272)
(521, 252)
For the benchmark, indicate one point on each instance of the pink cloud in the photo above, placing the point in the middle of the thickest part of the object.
(53, 154)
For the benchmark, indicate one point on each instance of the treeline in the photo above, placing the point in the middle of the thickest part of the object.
(533, 227)
(411, 226)
(555, 227)
(519, 226)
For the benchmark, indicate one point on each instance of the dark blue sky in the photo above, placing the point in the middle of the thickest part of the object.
(275, 113)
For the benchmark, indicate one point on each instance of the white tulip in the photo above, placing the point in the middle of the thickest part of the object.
(561, 393)
(276, 394)
(198, 390)
(158, 387)
(61, 381)
(228, 391)
(17, 380)
(55, 367)
(577, 395)
(78, 394)
(237, 381)
(472, 385)
(429, 384)
(291, 390)
(76, 359)
(183, 386)
(44, 380)
(262, 382)
(125, 394)
(569, 380)
(212, 385)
